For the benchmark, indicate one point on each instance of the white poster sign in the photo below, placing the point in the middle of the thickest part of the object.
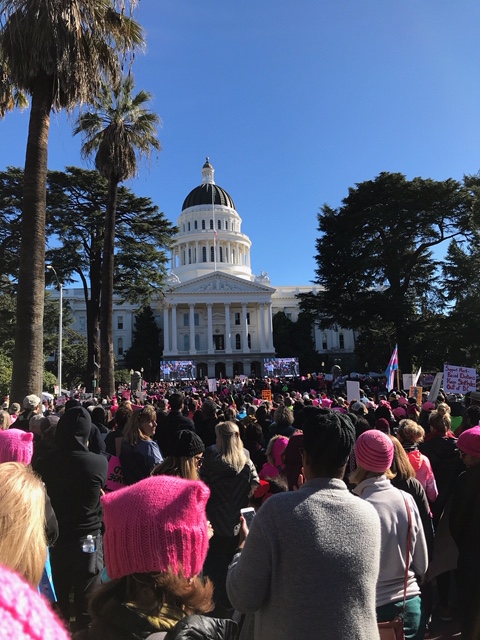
(459, 379)
(212, 384)
(353, 390)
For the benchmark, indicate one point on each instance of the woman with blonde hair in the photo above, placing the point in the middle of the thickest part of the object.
(23, 545)
(186, 457)
(5, 420)
(232, 478)
(410, 435)
(139, 453)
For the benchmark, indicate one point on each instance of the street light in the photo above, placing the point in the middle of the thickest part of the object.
(60, 327)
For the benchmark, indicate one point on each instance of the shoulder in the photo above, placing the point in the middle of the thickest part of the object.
(203, 627)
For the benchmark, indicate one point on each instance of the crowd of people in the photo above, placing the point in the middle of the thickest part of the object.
(126, 514)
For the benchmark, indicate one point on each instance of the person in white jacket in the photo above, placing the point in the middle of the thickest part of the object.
(374, 454)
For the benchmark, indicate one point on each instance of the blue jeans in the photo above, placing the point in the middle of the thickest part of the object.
(413, 621)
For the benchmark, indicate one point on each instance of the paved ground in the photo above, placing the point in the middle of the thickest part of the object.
(440, 630)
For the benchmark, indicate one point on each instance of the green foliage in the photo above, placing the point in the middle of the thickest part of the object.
(5, 373)
(146, 350)
(49, 381)
(375, 256)
(295, 339)
(122, 376)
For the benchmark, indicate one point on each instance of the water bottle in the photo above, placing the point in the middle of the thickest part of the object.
(88, 545)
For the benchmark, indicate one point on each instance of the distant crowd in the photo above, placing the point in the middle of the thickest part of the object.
(255, 510)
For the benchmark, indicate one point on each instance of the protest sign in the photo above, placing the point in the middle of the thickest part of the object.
(353, 390)
(459, 379)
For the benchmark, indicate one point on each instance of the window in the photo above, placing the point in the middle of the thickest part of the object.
(195, 225)
(238, 342)
(204, 254)
(186, 342)
(189, 256)
(120, 322)
(324, 341)
(197, 341)
(211, 224)
(120, 347)
(221, 253)
(189, 226)
(226, 225)
(219, 225)
(81, 323)
(196, 319)
(249, 341)
(341, 341)
(212, 254)
(237, 318)
(186, 320)
(248, 317)
(219, 342)
(203, 224)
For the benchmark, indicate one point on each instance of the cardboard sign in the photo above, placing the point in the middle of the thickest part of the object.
(115, 479)
(416, 392)
(267, 395)
(459, 379)
(353, 390)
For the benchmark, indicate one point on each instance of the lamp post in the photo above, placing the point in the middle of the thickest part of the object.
(60, 329)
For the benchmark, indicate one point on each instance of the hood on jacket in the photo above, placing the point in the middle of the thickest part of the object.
(415, 458)
(73, 430)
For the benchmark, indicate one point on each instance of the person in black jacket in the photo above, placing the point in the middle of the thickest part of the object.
(232, 478)
(156, 539)
(74, 478)
(175, 421)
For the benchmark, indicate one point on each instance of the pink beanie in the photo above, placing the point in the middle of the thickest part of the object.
(469, 441)
(399, 413)
(24, 614)
(278, 448)
(374, 451)
(16, 446)
(156, 524)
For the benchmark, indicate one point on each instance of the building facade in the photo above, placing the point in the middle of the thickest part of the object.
(214, 310)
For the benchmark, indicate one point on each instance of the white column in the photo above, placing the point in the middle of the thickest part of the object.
(210, 328)
(229, 252)
(261, 325)
(174, 330)
(245, 348)
(228, 331)
(166, 332)
(270, 327)
(192, 329)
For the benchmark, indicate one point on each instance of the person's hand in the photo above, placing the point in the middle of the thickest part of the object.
(300, 481)
(242, 536)
(210, 530)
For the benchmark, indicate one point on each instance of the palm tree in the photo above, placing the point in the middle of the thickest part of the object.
(57, 51)
(119, 129)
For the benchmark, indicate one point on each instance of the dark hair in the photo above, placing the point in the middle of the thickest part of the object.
(122, 414)
(176, 401)
(328, 439)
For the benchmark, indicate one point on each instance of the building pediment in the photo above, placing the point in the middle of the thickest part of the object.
(220, 283)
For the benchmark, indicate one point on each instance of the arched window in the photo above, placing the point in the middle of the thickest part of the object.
(221, 254)
(204, 254)
(211, 224)
(212, 254)
(249, 341)
(203, 224)
(189, 226)
(238, 341)
(219, 224)
(195, 225)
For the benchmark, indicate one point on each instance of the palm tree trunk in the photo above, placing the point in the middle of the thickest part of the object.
(107, 365)
(28, 360)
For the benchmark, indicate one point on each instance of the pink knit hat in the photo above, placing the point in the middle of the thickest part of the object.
(399, 413)
(16, 446)
(24, 614)
(374, 451)
(469, 441)
(156, 524)
(278, 448)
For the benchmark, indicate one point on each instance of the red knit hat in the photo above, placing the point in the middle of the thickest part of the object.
(16, 446)
(24, 614)
(469, 441)
(156, 524)
(374, 451)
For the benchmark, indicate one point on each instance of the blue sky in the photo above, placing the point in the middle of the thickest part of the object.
(294, 103)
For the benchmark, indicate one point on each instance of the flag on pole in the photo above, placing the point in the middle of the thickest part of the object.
(392, 367)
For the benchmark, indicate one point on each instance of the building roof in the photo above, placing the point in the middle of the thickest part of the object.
(203, 195)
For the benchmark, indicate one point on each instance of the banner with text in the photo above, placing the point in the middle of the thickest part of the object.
(459, 379)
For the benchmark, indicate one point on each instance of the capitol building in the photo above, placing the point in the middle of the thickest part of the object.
(214, 311)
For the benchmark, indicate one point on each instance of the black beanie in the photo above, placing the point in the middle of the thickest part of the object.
(186, 444)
